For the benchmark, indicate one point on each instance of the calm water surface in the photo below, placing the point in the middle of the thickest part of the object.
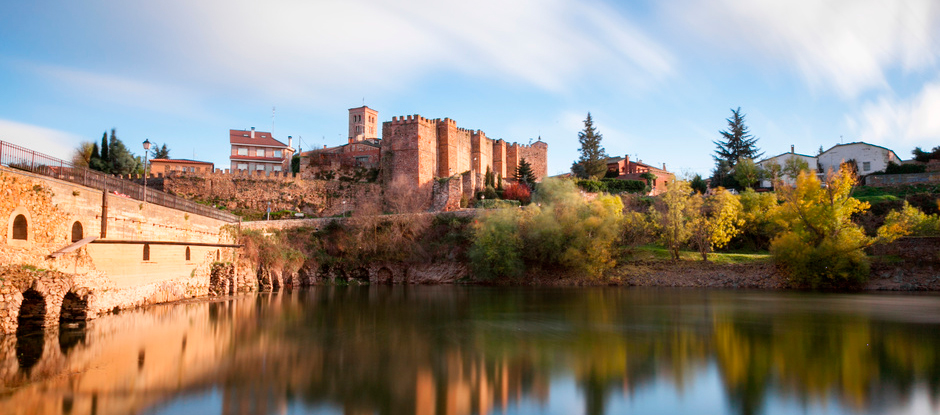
(476, 350)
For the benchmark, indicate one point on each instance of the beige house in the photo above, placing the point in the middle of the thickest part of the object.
(166, 166)
(254, 151)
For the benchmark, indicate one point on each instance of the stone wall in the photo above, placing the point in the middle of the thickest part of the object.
(902, 179)
(254, 193)
(110, 272)
(913, 249)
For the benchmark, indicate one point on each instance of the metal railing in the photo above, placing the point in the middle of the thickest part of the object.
(14, 156)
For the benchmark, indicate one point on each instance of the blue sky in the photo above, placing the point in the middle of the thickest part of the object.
(659, 77)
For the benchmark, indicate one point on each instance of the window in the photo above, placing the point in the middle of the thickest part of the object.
(259, 152)
(259, 167)
(188, 256)
(77, 232)
(243, 152)
(277, 167)
(277, 153)
(243, 166)
(146, 252)
(866, 165)
(20, 228)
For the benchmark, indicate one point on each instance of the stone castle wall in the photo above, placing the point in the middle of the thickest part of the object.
(238, 192)
(417, 150)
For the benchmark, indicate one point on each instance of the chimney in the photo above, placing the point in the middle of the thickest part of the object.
(324, 146)
(664, 166)
(626, 164)
(290, 141)
(252, 132)
(791, 148)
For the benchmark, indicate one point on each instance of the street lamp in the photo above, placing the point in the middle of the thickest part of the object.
(344, 208)
(146, 159)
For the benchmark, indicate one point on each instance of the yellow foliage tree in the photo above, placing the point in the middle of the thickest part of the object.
(820, 245)
(718, 221)
(673, 215)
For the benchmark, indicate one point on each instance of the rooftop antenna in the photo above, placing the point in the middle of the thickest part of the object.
(841, 141)
(273, 110)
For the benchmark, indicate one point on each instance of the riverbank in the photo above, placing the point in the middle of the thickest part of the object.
(762, 275)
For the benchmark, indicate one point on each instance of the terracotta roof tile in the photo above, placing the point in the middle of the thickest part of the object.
(179, 161)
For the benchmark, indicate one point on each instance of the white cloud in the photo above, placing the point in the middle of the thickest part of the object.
(44, 140)
(314, 51)
(846, 46)
(895, 122)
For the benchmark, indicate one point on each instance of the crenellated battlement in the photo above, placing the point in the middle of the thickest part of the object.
(412, 119)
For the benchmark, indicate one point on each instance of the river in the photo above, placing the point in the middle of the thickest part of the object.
(484, 350)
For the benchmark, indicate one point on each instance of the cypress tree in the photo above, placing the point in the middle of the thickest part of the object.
(105, 154)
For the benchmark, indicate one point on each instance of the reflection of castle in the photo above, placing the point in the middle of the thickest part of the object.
(416, 150)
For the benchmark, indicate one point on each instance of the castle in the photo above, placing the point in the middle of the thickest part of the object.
(415, 150)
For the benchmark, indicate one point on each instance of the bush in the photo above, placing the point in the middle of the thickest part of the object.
(615, 186)
(497, 246)
(518, 191)
(592, 186)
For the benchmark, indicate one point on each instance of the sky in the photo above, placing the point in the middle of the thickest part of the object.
(659, 78)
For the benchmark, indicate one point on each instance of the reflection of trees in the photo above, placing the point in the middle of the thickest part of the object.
(472, 350)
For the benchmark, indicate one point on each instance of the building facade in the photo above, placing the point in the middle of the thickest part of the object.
(166, 166)
(258, 151)
(634, 170)
(361, 151)
(868, 157)
(780, 161)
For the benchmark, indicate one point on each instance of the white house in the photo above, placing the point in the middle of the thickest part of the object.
(869, 158)
(781, 160)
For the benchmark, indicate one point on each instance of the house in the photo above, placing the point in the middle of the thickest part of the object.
(634, 170)
(362, 150)
(166, 166)
(780, 161)
(258, 151)
(868, 157)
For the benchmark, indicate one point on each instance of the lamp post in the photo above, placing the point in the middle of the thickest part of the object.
(146, 159)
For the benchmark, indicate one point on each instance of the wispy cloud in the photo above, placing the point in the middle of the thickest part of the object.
(893, 121)
(52, 142)
(846, 46)
(314, 50)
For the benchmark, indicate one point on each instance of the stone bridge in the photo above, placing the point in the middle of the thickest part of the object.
(72, 252)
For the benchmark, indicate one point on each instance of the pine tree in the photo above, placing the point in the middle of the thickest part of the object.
(524, 173)
(160, 152)
(737, 143)
(593, 157)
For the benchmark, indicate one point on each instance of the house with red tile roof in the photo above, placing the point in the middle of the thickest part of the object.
(167, 166)
(622, 168)
(254, 151)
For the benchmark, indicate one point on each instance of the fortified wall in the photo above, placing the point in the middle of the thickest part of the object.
(253, 194)
(417, 150)
(142, 253)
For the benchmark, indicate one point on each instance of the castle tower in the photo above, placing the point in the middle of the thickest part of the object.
(363, 124)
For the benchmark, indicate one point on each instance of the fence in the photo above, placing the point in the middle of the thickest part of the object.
(17, 157)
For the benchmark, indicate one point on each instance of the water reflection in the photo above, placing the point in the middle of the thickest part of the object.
(473, 350)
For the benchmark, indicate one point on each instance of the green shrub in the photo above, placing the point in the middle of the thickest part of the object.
(592, 186)
(615, 186)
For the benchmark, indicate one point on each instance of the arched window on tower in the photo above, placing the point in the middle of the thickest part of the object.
(146, 252)
(188, 255)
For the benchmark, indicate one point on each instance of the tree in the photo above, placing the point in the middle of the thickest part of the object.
(524, 173)
(673, 215)
(82, 155)
(718, 220)
(793, 166)
(160, 152)
(593, 157)
(746, 173)
(105, 152)
(820, 246)
(698, 184)
(114, 158)
(737, 143)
